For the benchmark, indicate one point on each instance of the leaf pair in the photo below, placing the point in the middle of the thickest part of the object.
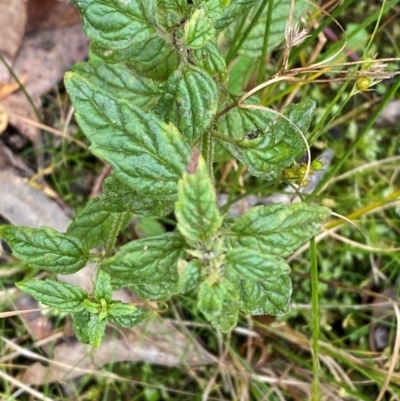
(90, 313)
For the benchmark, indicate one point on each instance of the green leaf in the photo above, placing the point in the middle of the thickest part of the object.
(269, 297)
(80, 325)
(190, 101)
(209, 59)
(277, 229)
(102, 286)
(220, 303)
(96, 328)
(119, 197)
(92, 307)
(196, 209)
(239, 122)
(47, 249)
(154, 58)
(137, 144)
(125, 315)
(93, 224)
(116, 80)
(147, 265)
(62, 296)
(198, 30)
(189, 275)
(118, 24)
(215, 8)
(170, 12)
(268, 151)
(153, 291)
(250, 264)
(236, 9)
(229, 315)
(210, 299)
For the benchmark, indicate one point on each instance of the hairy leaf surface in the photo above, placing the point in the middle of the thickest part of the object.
(267, 151)
(47, 249)
(150, 261)
(220, 304)
(154, 58)
(210, 59)
(124, 315)
(190, 101)
(196, 209)
(119, 197)
(198, 30)
(170, 12)
(277, 229)
(137, 144)
(268, 297)
(118, 24)
(250, 264)
(65, 297)
(94, 223)
(118, 81)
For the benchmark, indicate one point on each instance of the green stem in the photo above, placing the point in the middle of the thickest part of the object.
(314, 320)
(114, 231)
(234, 49)
(388, 96)
(265, 42)
(322, 122)
(208, 152)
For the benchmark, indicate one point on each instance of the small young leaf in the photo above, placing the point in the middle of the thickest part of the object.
(198, 30)
(118, 24)
(209, 58)
(62, 296)
(189, 275)
(196, 209)
(250, 264)
(190, 101)
(92, 307)
(220, 304)
(269, 297)
(228, 317)
(80, 324)
(137, 144)
(96, 328)
(125, 315)
(170, 12)
(267, 152)
(116, 80)
(45, 248)
(118, 197)
(93, 223)
(147, 263)
(277, 229)
(102, 286)
(210, 299)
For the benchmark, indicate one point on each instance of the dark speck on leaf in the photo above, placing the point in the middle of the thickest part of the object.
(253, 134)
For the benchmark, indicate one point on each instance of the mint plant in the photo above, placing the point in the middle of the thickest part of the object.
(151, 105)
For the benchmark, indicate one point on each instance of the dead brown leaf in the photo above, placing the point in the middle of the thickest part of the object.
(50, 14)
(154, 341)
(12, 27)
